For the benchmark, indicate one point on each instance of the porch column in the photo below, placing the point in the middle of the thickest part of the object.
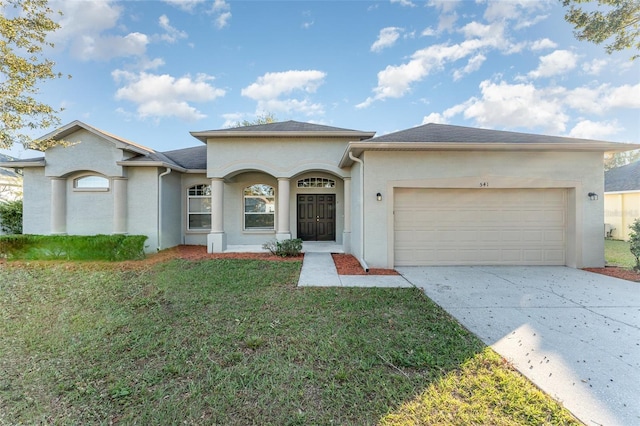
(346, 233)
(217, 239)
(119, 205)
(58, 205)
(283, 231)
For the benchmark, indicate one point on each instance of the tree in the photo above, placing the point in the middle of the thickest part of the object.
(24, 26)
(619, 159)
(618, 19)
(634, 242)
(11, 217)
(266, 118)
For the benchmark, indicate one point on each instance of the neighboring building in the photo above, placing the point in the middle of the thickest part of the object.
(621, 199)
(431, 195)
(10, 182)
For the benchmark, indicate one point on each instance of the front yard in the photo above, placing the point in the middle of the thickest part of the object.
(235, 342)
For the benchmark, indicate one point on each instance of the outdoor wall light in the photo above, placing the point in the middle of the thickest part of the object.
(593, 196)
(379, 196)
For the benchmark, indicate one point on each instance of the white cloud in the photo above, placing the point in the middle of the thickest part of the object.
(387, 38)
(395, 80)
(588, 129)
(523, 12)
(83, 26)
(269, 90)
(474, 64)
(163, 95)
(434, 117)
(542, 44)
(172, 34)
(594, 67)
(603, 98)
(516, 105)
(407, 3)
(222, 13)
(186, 5)
(557, 62)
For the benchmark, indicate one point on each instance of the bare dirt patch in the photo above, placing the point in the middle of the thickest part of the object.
(618, 272)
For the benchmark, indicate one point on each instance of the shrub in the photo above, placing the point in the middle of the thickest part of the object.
(634, 242)
(72, 247)
(284, 248)
(11, 217)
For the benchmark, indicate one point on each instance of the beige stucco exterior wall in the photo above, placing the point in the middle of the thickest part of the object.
(86, 152)
(171, 219)
(36, 202)
(142, 202)
(284, 158)
(578, 172)
(621, 209)
(88, 212)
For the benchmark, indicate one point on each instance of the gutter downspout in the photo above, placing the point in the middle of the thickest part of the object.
(160, 176)
(361, 259)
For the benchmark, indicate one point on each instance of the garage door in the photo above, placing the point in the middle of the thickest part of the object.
(479, 226)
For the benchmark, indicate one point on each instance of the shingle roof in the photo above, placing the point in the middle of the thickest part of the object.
(284, 126)
(447, 133)
(7, 172)
(624, 178)
(194, 158)
(283, 129)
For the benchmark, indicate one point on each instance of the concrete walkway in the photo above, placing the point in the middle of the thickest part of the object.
(575, 334)
(318, 270)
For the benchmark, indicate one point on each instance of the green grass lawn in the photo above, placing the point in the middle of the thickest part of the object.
(617, 253)
(235, 342)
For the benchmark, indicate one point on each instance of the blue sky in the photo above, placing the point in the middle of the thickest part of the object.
(151, 71)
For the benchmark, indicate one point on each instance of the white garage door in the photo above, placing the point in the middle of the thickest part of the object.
(479, 226)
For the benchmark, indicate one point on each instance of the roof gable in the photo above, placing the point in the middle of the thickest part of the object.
(283, 129)
(74, 126)
(624, 178)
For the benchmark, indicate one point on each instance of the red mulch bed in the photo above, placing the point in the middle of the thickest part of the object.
(618, 272)
(346, 264)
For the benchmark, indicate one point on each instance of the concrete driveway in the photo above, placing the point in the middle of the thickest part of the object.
(575, 334)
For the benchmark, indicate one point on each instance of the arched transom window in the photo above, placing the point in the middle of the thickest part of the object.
(199, 207)
(316, 182)
(259, 207)
(91, 183)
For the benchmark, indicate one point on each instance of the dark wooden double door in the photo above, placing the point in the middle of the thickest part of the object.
(317, 217)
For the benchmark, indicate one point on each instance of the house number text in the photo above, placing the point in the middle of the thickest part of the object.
(484, 184)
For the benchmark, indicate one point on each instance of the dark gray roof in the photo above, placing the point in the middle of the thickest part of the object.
(447, 133)
(188, 158)
(7, 172)
(624, 178)
(285, 126)
(284, 129)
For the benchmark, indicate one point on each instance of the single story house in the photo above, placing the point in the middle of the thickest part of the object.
(621, 199)
(430, 195)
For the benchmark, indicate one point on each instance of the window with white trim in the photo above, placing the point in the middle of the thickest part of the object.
(316, 182)
(259, 207)
(91, 183)
(199, 208)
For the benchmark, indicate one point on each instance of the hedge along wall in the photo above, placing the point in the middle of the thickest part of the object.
(72, 247)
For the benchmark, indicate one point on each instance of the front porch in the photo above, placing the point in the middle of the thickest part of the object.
(307, 247)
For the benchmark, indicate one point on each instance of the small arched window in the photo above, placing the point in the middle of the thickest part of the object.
(91, 183)
(316, 182)
(199, 207)
(259, 207)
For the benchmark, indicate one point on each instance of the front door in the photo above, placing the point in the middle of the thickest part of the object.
(316, 217)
